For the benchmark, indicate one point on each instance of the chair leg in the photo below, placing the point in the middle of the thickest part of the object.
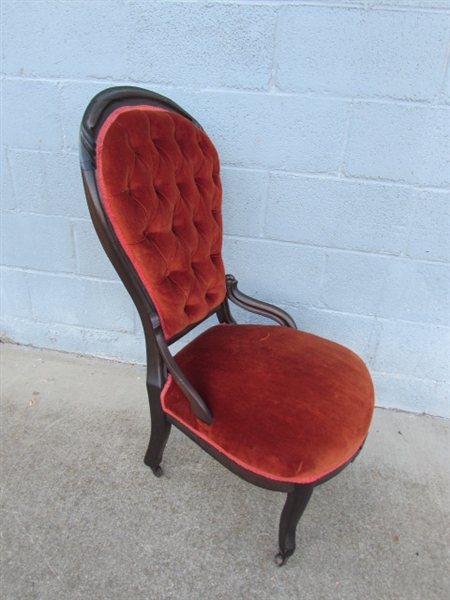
(294, 507)
(160, 430)
(158, 439)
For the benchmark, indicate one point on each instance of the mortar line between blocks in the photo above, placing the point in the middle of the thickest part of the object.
(11, 178)
(341, 170)
(412, 217)
(62, 274)
(74, 246)
(444, 71)
(360, 5)
(334, 177)
(264, 204)
(274, 68)
(30, 299)
(376, 319)
(332, 249)
(310, 95)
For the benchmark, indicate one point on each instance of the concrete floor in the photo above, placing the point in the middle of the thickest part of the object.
(82, 517)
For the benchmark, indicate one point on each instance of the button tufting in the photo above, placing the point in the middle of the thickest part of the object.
(174, 199)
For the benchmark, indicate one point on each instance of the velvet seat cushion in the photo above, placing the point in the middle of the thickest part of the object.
(286, 404)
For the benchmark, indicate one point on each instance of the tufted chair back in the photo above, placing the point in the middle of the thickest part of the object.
(158, 175)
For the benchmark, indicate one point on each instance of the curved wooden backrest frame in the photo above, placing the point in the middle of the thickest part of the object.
(158, 355)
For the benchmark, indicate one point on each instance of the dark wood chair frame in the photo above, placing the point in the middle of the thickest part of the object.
(160, 361)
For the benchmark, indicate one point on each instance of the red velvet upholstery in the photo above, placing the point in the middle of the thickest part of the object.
(158, 176)
(286, 404)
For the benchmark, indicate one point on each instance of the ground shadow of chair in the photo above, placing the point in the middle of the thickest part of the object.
(283, 409)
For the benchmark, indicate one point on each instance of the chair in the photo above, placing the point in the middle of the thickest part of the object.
(283, 409)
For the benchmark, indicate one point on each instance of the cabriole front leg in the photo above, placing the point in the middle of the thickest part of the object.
(295, 505)
(160, 430)
(158, 440)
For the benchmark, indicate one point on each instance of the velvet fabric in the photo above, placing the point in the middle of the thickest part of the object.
(286, 404)
(158, 176)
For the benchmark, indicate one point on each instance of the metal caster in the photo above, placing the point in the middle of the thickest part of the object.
(157, 471)
(280, 559)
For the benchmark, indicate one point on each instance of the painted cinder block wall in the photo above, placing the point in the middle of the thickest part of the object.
(332, 122)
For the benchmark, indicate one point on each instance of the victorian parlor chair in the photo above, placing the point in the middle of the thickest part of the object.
(283, 409)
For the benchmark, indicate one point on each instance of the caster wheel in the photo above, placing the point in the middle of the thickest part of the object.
(157, 471)
(280, 559)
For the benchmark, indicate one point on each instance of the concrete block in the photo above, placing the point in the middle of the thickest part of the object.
(412, 395)
(31, 117)
(88, 303)
(37, 242)
(48, 183)
(14, 297)
(198, 44)
(111, 344)
(338, 213)
(289, 133)
(352, 51)
(354, 282)
(64, 39)
(429, 237)
(275, 272)
(399, 142)
(413, 350)
(417, 291)
(356, 332)
(7, 195)
(91, 258)
(244, 194)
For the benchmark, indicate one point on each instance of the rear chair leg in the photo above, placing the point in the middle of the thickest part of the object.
(294, 507)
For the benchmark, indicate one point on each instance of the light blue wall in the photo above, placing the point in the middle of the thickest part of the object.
(332, 122)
